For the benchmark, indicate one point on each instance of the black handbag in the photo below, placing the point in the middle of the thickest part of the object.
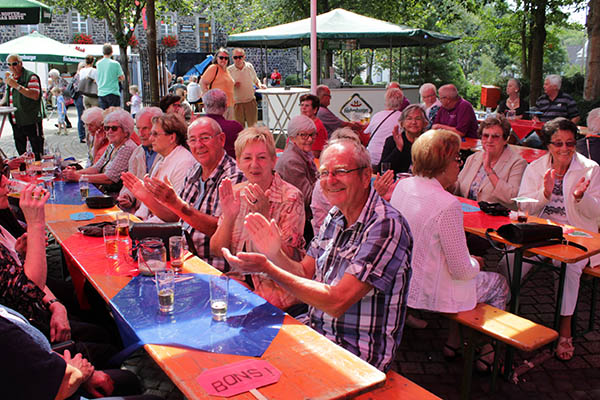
(88, 87)
(142, 230)
(530, 235)
(493, 208)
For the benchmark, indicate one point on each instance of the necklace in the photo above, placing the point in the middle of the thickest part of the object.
(512, 104)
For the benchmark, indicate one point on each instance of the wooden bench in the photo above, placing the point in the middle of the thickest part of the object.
(516, 332)
(594, 272)
(397, 387)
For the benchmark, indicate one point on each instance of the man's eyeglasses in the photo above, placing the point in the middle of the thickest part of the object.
(570, 144)
(223, 58)
(201, 139)
(13, 64)
(307, 135)
(238, 57)
(338, 172)
(114, 128)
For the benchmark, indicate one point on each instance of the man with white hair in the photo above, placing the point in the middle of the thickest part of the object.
(215, 106)
(24, 93)
(456, 114)
(430, 101)
(359, 261)
(245, 108)
(555, 103)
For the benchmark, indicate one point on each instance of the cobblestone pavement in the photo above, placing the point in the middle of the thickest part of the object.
(420, 358)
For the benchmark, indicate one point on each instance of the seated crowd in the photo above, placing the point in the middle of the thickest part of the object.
(344, 253)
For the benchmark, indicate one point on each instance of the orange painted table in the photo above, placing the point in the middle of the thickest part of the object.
(312, 366)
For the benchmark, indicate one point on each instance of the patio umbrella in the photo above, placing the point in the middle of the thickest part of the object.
(24, 12)
(39, 48)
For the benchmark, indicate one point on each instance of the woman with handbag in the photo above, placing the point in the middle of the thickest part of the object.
(87, 83)
(566, 186)
(217, 76)
(445, 277)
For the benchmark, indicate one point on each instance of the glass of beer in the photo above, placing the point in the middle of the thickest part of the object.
(176, 253)
(110, 241)
(123, 225)
(165, 289)
(219, 296)
(84, 187)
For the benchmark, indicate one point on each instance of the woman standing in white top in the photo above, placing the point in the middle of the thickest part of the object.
(445, 277)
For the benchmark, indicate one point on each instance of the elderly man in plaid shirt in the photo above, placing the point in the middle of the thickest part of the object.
(355, 275)
(197, 204)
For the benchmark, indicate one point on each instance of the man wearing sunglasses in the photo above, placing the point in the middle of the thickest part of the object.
(24, 93)
(245, 109)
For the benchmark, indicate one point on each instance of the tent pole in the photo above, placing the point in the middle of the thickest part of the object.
(391, 62)
(400, 70)
(350, 69)
(313, 46)
(266, 58)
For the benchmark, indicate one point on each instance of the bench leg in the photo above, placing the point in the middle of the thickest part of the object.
(559, 295)
(593, 306)
(496, 366)
(469, 355)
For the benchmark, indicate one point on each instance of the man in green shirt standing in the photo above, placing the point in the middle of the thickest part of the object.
(109, 75)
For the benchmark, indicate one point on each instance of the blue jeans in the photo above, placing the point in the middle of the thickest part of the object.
(110, 100)
(80, 124)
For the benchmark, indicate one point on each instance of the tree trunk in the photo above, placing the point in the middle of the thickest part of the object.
(125, 66)
(536, 56)
(152, 56)
(524, 42)
(591, 89)
(370, 68)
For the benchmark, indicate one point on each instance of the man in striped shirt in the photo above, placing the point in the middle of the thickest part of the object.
(358, 267)
(555, 103)
(197, 204)
(24, 93)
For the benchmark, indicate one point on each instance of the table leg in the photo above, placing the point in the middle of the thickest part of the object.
(469, 356)
(514, 306)
(285, 114)
(1, 129)
(559, 295)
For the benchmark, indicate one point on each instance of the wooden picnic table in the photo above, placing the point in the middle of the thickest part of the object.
(312, 366)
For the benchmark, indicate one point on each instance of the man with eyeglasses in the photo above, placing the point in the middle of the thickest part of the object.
(309, 105)
(245, 108)
(168, 139)
(330, 121)
(456, 114)
(197, 203)
(24, 93)
(360, 260)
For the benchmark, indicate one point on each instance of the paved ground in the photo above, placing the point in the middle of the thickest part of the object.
(420, 358)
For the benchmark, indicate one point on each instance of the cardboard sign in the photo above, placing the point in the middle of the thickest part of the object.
(239, 377)
(355, 108)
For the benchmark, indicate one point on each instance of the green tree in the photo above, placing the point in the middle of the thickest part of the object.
(121, 16)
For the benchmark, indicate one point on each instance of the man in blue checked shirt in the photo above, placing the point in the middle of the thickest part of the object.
(359, 262)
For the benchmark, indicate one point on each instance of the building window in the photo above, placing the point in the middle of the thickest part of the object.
(168, 26)
(78, 23)
(204, 36)
(27, 29)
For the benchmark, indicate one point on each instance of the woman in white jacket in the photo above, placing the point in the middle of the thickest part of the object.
(567, 187)
(445, 277)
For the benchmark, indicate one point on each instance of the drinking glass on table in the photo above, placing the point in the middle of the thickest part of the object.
(165, 289)
(385, 166)
(219, 296)
(152, 256)
(84, 187)
(123, 225)
(176, 252)
(511, 114)
(110, 241)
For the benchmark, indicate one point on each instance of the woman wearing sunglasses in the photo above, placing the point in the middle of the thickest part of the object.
(106, 172)
(567, 188)
(217, 76)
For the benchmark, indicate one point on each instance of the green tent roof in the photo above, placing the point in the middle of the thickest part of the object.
(39, 48)
(24, 12)
(340, 24)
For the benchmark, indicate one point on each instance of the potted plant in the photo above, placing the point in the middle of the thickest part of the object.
(82, 38)
(169, 41)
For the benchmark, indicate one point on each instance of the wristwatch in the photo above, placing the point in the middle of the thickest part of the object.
(52, 301)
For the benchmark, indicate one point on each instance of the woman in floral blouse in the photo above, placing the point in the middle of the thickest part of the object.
(266, 193)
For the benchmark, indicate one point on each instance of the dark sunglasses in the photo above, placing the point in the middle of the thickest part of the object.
(13, 64)
(238, 57)
(223, 58)
(114, 128)
(569, 144)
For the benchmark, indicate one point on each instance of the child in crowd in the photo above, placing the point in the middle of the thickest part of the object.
(61, 109)
(136, 100)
